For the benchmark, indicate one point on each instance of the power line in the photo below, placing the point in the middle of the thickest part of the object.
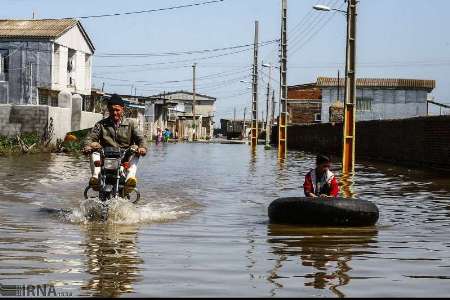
(313, 33)
(147, 10)
(189, 52)
(176, 61)
(304, 36)
(292, 32)
(206, 77)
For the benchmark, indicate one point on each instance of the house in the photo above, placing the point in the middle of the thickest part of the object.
(174, 111)
(45, 77)
(40, 58)
(376, 99)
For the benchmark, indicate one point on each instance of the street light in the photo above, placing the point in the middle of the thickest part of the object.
(321, 7)
(349, 126)
(246, 82)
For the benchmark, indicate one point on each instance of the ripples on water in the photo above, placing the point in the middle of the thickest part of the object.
(201, 229)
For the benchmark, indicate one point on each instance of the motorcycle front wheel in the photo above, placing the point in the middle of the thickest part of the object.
(133, 197)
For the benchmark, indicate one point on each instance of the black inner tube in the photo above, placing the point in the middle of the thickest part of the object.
(323, 211)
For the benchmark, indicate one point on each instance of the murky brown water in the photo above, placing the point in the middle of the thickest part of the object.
(202, 230)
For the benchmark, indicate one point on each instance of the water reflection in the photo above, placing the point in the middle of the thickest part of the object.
(346, 183)
(112, 259)
(326, 252)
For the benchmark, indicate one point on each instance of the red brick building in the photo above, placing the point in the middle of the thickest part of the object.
(304, 104)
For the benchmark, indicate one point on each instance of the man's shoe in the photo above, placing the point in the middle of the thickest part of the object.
(130, 184)
(93, 183)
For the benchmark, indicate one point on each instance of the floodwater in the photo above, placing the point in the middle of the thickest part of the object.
(201, 229)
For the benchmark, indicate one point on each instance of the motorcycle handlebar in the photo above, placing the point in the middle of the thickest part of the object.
(131, 150)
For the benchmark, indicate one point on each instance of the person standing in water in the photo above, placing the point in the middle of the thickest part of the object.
(320, 181)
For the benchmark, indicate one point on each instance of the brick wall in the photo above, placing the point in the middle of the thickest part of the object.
(304, 93)
(303, 113)
(423, 141)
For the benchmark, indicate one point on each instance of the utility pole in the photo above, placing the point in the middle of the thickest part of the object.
(269, 108)
(244, 126)
(348, 155)
(282, 124)
(193, 102)
(255, 90)
(164, 110)
(262, 119)
(339, 87)
(273, 108)
(234, 114)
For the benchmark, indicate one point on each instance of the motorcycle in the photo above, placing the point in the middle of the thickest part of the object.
(114, 163)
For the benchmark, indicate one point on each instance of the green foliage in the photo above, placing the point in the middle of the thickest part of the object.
(30, 138)
(10, 145)
(7, 144)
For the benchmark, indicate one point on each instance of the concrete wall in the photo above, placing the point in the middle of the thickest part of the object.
(88, 119)
(386, 103)
(60, 117)
(34, 118)
(15, 119)
(423, 141)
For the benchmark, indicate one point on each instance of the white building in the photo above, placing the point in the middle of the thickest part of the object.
(39, 58)
(174, 110)
(45, 77)
(379, 98)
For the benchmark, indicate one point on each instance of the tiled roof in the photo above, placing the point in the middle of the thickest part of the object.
(43, 28)
(428, 85)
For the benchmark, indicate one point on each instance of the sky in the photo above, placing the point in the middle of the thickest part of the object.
(395, 39)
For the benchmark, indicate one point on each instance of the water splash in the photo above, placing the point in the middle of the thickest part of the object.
(122, 211)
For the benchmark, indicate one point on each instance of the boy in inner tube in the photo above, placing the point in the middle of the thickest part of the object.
(320, 181)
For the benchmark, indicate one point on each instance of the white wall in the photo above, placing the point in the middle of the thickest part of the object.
(386, 104)
(88, 119)
(61, 121)
(72, 39)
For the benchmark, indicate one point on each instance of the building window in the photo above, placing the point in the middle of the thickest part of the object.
(364, 104)
(317, 117)
(43, 99)
(4, 65)
(71, 65)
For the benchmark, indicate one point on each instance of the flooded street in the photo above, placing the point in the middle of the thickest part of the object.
(201, 229)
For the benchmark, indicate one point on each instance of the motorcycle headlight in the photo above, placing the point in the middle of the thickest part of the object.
(111, 164)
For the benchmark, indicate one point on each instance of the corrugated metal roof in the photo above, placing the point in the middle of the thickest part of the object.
(428, 85)
(42, 28)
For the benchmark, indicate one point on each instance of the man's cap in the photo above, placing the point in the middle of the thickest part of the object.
(116, 100)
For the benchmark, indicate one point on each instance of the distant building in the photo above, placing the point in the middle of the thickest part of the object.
(174, 110)
(40, 58)
(134, 109)
(238, 129)
(305, 104)
(377, 99)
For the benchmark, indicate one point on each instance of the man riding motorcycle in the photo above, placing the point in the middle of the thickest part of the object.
(119, 132)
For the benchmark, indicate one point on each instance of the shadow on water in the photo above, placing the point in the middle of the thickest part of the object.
(326, 252)
(112, 259)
